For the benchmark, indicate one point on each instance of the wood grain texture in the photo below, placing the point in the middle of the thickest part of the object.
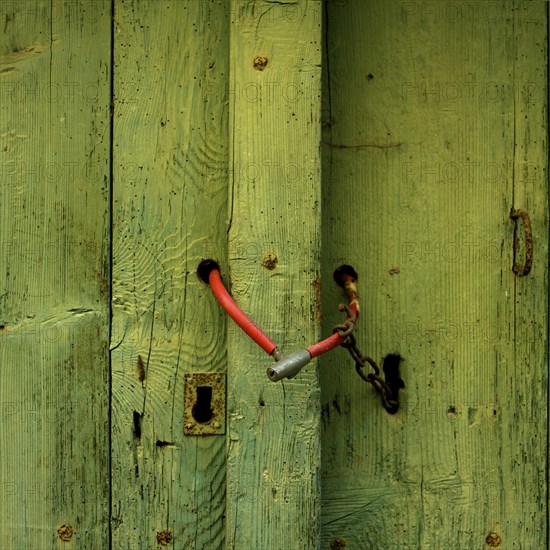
(170, 202)
(54, 274)
(436, 118)
(273, 456)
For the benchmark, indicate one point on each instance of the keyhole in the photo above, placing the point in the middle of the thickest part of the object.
(202, 410)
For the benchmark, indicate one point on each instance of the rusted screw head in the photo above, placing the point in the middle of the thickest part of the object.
(270, 261)
(260, 62)
(493, 540)
(65, 532)
(164, 538)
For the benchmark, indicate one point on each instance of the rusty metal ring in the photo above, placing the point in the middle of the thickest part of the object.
(518, 269)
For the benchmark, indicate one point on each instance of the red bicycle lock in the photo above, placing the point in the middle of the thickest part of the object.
(287, 366)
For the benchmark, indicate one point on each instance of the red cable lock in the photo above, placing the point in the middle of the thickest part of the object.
(290, 365)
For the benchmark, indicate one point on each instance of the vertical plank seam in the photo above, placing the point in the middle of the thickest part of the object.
(327, 62)
(547, 503)
(51, 42)
(111, 257)
(329, 102)
(230, 129)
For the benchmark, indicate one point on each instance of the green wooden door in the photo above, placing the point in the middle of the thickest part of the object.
(436, 126)
(139, 137)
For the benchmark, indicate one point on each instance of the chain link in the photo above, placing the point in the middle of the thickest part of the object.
(345, 329)
(389, 401)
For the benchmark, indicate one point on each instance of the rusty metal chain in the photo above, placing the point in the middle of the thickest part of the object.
(389, 401)
(345, 329)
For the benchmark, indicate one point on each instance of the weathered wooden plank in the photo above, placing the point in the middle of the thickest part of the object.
(54, 274)
(437, 116)
(273, 456)
(170, 202)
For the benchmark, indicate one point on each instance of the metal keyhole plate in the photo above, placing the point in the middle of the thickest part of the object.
(204, 403)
